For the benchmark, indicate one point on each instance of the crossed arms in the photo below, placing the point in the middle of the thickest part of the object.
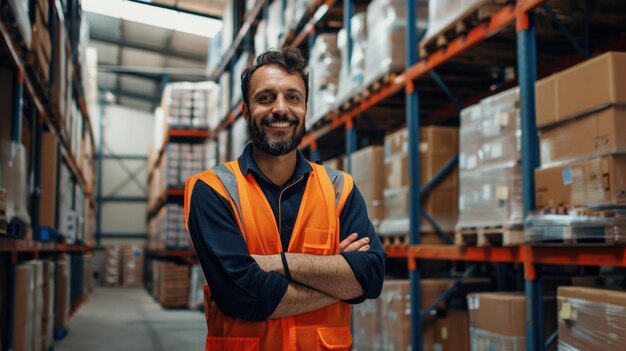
(254, 287)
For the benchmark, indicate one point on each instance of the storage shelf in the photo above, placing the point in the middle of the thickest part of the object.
(163, 198)
(181, 134)
(8, 244)
(550, 255)
(171, 253)
(45, 115)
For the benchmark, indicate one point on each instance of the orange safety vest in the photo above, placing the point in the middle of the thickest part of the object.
(316, 232)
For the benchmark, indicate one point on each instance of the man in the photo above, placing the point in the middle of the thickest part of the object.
(286, 245)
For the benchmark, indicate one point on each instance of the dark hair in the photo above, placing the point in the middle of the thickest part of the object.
(289, 59)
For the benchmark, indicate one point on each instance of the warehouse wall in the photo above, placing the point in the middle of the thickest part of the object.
(126, 132)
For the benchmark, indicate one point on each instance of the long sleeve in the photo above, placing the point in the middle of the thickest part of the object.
(238, 285)
(368, 267)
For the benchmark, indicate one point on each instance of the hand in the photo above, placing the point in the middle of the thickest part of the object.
(352, 244)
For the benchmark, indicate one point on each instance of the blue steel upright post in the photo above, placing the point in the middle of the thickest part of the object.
(527, 76)
(412, 120)
(348, 12)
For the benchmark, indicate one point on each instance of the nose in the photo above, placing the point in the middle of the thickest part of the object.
(280, 106)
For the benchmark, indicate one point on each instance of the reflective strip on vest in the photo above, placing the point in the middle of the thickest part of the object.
(230, 183)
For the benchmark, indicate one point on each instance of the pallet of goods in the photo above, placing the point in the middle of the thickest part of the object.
(490, 200)
(580, 187)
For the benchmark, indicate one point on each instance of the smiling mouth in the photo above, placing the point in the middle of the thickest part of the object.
(279, 124)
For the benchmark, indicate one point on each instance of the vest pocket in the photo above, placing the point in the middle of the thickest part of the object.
(316, 241)
(335, 338)
(218, 343)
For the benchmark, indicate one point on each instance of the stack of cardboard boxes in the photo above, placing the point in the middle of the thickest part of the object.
(132, 266)
(170, 284)
(41, 46)
(48, 288)
(368, 173)
(191, 105)
(62, 293)
(384, 324)
(582, 121)
(438, 145)
(591, 319)
(498, 320)
(490, 172)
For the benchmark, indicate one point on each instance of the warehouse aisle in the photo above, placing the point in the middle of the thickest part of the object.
(129, 319)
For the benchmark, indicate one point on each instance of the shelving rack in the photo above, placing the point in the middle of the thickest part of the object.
(29, 88)
(515, 23)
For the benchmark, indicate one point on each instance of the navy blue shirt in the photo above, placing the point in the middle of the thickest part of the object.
(239, 287)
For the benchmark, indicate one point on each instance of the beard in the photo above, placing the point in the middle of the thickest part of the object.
(261, 141)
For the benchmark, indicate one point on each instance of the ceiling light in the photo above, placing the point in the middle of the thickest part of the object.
(155, 16)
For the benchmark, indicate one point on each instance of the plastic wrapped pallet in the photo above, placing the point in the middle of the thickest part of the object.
(223, 146)
(386, 33)
(196, 288)
(21, 15)
(324, 65)
(14, 180)
(367, 323)
(368, 172)
(239, 138)
(488, 310)
(396, 312)
(214, 57)
(490, 175)
(171, 228)
(352, 70)
(581, 225)
(242, 62)
(228, 26)
(294, 12)
(591, 319)
(190, 105)
(23, 324)
(446, 13)
(275, 29)
(438, 145)
(112, 265)
(48, 304)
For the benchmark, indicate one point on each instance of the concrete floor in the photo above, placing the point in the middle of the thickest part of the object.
(130, 320)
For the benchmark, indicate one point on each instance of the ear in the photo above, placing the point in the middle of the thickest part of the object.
(245, 112)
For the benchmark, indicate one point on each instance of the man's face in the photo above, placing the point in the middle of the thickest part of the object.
(276, 111)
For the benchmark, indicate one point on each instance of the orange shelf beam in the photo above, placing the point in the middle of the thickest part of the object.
(459, 253)
(396, 251)
(188, 133)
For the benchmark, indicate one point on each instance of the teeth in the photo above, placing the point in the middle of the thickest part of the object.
(279, 124)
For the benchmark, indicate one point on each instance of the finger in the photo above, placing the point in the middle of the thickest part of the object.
(347, 241)
(357, 245)
(365, 248)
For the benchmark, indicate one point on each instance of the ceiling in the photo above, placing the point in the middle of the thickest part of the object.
(135, 59)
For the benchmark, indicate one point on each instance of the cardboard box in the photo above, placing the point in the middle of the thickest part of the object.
(452, 331)
(545, 101)
(47, 337)
(599, 133)
(440, 204)
(368, 172)
(62, 292)
(488, 311)
(591, 319)
(132, 266)
(596, 82)
(58, 76)
(598, 181)
(6, 100)
(48, 196)
(37, 316)
(437, 146)
(367, 324)
(396, 317)
(24, 307)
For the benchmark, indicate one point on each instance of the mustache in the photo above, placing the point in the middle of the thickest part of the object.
(279, 118)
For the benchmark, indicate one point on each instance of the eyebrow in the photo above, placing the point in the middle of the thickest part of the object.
(270, 90)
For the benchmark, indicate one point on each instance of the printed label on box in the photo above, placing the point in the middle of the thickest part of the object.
(567, 176)
(473, 302)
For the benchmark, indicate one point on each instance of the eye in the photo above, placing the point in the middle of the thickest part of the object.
(294, 98)
(265, 98)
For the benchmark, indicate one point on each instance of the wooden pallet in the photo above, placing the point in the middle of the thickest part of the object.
(378, 84)
(472, 17)
(428, 238)
(489, 236)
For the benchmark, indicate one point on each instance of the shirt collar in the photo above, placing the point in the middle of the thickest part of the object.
(247, 163)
